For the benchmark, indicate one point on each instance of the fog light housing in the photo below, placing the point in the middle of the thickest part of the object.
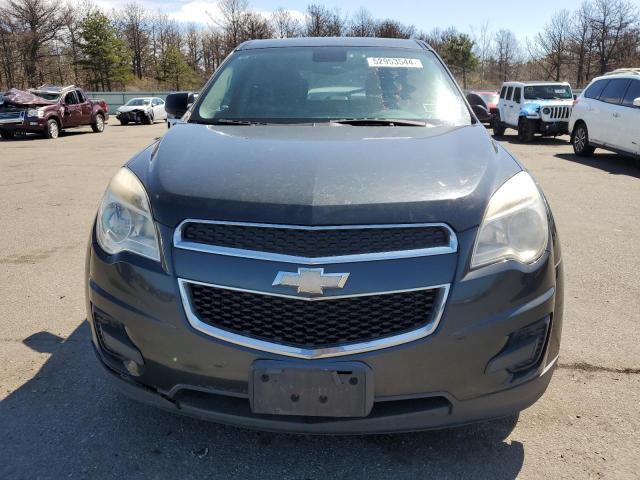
(523, 350)
(121, 352)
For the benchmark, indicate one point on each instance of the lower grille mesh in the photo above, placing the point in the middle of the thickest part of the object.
(313, 324)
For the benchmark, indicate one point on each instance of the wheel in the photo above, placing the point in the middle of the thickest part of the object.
(497, 126)
(98, 124)
(53, 129)
(147, 119)
(7, 134)
(124, 122)
(525, 131)
(580, 141)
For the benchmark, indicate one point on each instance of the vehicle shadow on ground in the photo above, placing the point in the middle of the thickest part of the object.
(551, 141)
(69, 422)
(609, 162)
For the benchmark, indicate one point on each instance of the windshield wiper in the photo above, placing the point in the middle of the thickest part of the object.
(233, 121)
(373, 122)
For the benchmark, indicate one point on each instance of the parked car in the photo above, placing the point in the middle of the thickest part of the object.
(484, 105)
(145, 110)
(364, 259)
(48, 110)
(534, 108)
(607, 114)
(172, 119)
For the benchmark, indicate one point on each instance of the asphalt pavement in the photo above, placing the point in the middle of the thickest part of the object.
(61, 418)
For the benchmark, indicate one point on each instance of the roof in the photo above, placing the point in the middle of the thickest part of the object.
(334, 42)
(536, 82)
(624, 71)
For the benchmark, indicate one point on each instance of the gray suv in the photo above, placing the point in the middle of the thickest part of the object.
(330, 243)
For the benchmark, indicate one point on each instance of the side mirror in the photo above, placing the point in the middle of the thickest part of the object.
(636, 102)
(177, 103)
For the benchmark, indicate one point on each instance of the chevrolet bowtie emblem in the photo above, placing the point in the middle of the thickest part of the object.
(311, 280)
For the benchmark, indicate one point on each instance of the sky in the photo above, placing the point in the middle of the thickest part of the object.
(524, 18)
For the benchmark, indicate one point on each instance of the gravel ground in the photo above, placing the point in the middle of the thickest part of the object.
(60, 417)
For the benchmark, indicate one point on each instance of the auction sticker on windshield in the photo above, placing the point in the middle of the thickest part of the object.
(377, 62)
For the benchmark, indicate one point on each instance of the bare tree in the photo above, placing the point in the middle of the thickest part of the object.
(610, 21)
(550, 48)
(506, 52)
(482, 46)
(36, 23)
(322, 22)
(132, 22)
(362, 24)
(582, 43)
(284, 25)
(394, 29)
(233, 16)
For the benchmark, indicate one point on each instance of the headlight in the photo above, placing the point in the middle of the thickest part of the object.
(546, 110)
(124, 218)
(515, 224)
(35, 112)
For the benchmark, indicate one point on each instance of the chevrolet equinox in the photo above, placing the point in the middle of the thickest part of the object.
(330, 242)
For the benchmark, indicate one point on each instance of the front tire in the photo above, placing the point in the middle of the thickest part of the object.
(124, 122)
(525, 131)
(98, 124)
(53, 129)
(7, 134)
(580, 141)
(497, 126)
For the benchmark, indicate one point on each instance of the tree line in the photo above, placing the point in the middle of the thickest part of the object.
(42, 41)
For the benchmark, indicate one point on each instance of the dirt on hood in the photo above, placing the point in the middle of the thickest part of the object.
(20, 98)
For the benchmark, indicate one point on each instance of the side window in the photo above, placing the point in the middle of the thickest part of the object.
(633, 92)
(516, 94)
(154, 102)
(503, 92)
(509, 93)
(614, 91)
(70, 98)
(81, 98)
(595, 89)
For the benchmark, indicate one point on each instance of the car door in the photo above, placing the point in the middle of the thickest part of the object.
(508, 106)
(516, 101)
(610, 119)
(502, 104)
(589, 109)
(630, 119)
(158, 109)
(85, 108)
(72, 115)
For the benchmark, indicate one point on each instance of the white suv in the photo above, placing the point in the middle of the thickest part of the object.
(607, 114)
(534, 107)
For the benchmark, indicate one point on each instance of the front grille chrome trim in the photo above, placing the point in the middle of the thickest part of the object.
(290, 351)
(180, 243)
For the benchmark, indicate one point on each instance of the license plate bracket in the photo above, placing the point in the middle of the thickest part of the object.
(327, 389)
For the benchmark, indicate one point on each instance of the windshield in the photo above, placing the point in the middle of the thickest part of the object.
(311, 84)
(137, 102)
(547, 92)
(490, 98)
(47, 95)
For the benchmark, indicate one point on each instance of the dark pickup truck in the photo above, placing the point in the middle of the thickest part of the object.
(48, 110)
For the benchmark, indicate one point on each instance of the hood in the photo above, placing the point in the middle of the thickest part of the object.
(126, 108)
(20, 98)
(323, 175)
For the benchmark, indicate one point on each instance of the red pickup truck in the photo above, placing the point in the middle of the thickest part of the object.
(48, 110)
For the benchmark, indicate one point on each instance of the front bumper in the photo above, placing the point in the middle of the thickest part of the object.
(554, 128)
(440, 380)
(23, 124)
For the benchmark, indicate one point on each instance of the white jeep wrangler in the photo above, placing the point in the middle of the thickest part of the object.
(534, 107)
